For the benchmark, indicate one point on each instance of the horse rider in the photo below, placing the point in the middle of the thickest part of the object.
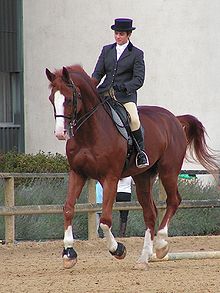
(123, 66)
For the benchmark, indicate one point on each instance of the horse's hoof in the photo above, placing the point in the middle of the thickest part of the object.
(69, 263)
(120, 252)
(162, 252)
(69, 257)
(141, 266)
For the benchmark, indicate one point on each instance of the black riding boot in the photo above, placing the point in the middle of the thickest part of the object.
(141, 158)
(122, 228)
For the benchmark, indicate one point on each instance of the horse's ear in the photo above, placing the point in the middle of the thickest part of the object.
(50, 75)
(66, 76)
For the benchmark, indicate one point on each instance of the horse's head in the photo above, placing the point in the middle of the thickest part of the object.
(65, 98)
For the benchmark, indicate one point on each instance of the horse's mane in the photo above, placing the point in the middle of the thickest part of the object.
(72, 68)
(75, 69)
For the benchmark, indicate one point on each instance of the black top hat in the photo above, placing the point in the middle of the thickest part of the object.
(123, 25)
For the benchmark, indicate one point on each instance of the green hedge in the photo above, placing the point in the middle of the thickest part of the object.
(41, 162)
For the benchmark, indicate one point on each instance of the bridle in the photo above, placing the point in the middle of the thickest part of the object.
(76, 122)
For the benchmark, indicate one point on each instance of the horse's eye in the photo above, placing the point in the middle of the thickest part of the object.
(67, 102)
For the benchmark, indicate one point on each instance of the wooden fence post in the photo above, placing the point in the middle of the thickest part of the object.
(9, 202)
(91, 215)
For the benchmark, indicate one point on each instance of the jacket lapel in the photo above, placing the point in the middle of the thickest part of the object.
(113, 52)
(125, 54)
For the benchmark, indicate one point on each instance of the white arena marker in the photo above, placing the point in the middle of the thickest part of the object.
(188, 255)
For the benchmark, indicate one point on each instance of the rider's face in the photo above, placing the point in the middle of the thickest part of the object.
(121, 37)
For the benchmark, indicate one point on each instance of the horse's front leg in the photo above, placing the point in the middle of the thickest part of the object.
(75, 186)
(117, 249)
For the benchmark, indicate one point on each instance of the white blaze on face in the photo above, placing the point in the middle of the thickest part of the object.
(60, 131)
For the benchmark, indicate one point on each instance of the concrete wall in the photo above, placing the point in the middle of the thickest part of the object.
(180, 39)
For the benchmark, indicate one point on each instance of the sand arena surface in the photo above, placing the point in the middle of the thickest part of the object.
(37, 267)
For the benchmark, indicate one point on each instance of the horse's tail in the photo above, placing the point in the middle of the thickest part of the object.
(197, 146)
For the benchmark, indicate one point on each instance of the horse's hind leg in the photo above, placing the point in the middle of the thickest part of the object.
(169, 181)
(144, 183)
(75, 186)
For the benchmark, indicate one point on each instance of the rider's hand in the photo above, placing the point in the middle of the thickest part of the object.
(119, 87)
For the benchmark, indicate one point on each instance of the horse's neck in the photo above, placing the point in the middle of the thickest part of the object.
(95, 115)
(89, 101)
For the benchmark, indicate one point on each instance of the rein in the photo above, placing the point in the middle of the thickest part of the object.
(75, 123)
(84, 118)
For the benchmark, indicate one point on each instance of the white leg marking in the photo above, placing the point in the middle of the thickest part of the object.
(160, 241)
(147, 250)
(68, 238)
(111, 242)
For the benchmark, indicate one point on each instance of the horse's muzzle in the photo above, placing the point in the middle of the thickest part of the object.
(62, 135)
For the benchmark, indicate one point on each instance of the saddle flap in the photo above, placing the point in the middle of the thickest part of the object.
(120, 116)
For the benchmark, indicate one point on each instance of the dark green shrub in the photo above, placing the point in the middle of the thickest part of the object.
(41, 162)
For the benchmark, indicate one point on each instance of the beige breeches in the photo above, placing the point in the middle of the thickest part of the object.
(132, 110)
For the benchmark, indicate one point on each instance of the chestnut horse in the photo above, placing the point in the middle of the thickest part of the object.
(95, 149)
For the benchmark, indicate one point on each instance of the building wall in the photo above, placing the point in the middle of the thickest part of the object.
(180, 39)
